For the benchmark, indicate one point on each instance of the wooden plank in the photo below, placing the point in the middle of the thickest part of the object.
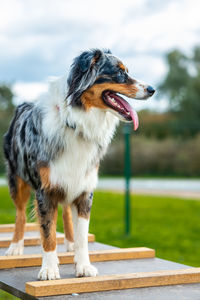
(31, 227)
(28, 241)
(35, 240)
(68, 257)
(10, 227)
(112, 282)
(91, 237)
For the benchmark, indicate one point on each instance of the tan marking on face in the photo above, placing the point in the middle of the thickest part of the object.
(93, 96)
(67, 223)
(44, 175)
(21, 198)
(121, 66)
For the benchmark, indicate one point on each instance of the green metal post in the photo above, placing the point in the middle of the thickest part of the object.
(127, 160)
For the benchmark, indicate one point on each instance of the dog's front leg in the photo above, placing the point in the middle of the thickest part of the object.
(68, 228)
(47, 214)
(81, 215)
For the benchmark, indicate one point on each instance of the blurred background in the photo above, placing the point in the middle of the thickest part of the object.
(159, 41)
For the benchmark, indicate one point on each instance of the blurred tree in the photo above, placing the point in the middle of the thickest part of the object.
(6, 113)
(155, 157)
(155, 125)
(182, 86)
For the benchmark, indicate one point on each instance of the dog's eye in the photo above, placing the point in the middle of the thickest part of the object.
(120, 76)
(120, 73)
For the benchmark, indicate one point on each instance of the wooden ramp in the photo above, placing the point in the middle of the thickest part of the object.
(112, 282)
(120, 270)
(67, 258)
(10, 227)
(31, 237)
(35, 240)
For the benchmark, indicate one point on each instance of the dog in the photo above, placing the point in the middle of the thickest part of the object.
(54, 147)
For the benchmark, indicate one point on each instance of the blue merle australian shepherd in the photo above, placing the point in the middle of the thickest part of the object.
(54, 147)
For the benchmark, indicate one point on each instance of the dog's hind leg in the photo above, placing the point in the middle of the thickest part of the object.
(20, 195)
(47, 214)
(68, 228)
(80, 215)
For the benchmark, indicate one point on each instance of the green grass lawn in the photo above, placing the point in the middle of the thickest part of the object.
(169, 225)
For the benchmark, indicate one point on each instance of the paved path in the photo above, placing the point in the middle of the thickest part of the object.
(2, 181)
(177, 187)
(186, 188)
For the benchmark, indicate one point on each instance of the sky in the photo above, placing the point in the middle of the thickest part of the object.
(39, 38)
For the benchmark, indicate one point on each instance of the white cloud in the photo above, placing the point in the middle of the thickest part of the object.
(40, 38)
(28, 91)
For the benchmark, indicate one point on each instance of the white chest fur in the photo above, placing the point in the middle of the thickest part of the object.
(76, 169)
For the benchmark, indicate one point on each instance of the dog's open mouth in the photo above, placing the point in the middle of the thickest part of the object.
(120, 105)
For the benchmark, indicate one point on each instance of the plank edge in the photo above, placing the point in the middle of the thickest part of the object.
(113, 282)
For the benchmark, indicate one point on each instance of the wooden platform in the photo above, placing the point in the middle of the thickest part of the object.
(10, 227)
(31, 237)
(35, 240)
(7, 262)
(112, 282)
(133, 273)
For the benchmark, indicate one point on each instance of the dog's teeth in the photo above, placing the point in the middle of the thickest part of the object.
(113, 101)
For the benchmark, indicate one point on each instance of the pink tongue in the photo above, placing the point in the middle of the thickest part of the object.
(133, 113)
(135, 119)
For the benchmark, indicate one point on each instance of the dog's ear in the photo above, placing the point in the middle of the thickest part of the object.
(90, 59)
(83, 73)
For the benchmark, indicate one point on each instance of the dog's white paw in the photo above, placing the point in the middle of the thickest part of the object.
(15, 248)
(69, 245)
(49, 269)
(86, 270)
(49, 273)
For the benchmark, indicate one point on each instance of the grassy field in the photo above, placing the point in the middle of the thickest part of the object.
(169, 225)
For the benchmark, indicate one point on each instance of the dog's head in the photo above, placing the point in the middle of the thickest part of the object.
(98, 79)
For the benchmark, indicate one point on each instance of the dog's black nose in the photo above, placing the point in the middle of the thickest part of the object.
(150, 90)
